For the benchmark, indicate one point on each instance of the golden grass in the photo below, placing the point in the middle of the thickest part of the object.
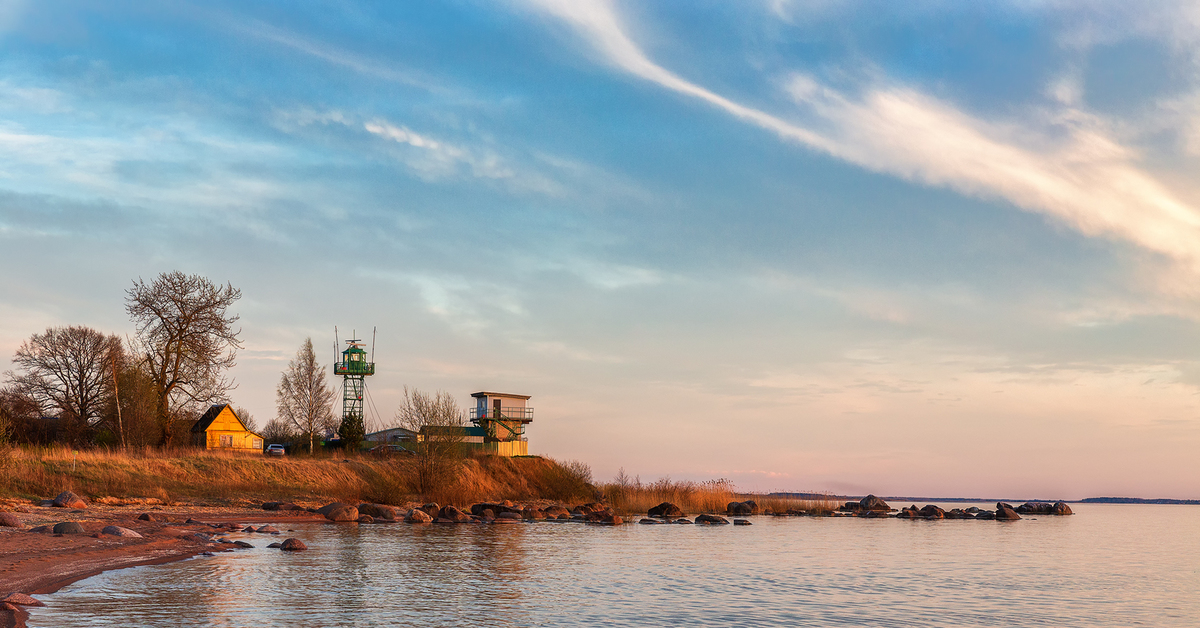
(786, 505)
(168, 476)
(691, 497)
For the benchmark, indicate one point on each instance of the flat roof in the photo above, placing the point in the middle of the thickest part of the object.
(499, 394)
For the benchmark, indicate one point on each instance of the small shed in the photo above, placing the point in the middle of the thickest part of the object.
(220, 428)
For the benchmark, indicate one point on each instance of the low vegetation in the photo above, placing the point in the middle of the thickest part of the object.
(194, 475)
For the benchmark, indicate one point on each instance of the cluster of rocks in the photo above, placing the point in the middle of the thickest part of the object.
(748, 507)
(873, 507)
(667, 512)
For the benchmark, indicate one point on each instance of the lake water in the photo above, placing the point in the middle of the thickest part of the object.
(1108, 565)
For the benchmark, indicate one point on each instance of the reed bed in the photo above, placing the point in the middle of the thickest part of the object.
(785, 505)
(634, 497)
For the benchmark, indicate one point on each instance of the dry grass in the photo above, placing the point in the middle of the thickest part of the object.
(169, 476)
(785, 505)
(632, 496)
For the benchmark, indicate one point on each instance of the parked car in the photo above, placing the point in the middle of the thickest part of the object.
(390, 450)
(274, 449)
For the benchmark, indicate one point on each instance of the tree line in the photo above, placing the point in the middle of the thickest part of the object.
(82, 387)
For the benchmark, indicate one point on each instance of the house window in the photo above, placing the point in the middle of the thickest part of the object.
(258, 443)
(226, 440)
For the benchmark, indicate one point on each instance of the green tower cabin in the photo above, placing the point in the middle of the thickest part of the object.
(502, 417)
(353, 368)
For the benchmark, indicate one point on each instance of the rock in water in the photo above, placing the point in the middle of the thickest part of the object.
(711, 520)
(1004, 512)
(932, 512)
(119, 531)
(337, 511)
(454, 515)
(67, 499)
(366, 519)
(267, 530)
(9, 520)
(378, 511)
(1061, 508)
(156, 517)
(243, 544)
(748, 507)
(293, 545)
(741, 522)
(275, 545)
(871, 502)
(665, 510)
(650, 521)
(68, 527)
(416, 515)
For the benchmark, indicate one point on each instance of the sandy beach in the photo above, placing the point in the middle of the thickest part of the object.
(36, 563)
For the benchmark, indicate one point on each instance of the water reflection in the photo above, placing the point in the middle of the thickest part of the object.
(1106, 566)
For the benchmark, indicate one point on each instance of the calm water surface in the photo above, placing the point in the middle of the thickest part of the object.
(1108, 565)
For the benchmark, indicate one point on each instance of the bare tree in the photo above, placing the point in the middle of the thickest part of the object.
(186, 339)
(247, 418)
(303, 398)
(66, 372)
(440, 450)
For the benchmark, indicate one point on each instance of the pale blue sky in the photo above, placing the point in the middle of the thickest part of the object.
(907, 248)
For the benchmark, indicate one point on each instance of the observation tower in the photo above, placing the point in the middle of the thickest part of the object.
(354, 368)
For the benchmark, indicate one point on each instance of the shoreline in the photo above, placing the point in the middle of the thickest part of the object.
(38, 564)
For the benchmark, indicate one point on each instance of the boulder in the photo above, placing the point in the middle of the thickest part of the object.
(9, 520)
(119, 531)
(243, 544)
(42, 529)
(454, 515)
(431, 509)
(748, 507)
(956, 513)
(741, 522)
(1035, 508)
(1061, 508)
(378, 511)
(267, 530)
(932, 512)
(1004, 512)
(665, 510)
(909, 513)
(68, 527)
(487, 514)
(20, 599)
(682, 521)
(871, 502)
(711, 520)
(156, 517)
(67, 499)
(555, 511)
(649, 521)
(851, 507)
(293, 545)
(533, 514)
(509, 515)
(985, 515)
(249, 529)
(506, 519)
(607, 518)
(366, 519)
(275, 545)
(974, 510)
(337, 511)
(416, 515)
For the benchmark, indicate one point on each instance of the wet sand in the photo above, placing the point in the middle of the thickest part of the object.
(35, 563)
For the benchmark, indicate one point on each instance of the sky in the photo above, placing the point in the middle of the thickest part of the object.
(920, 248)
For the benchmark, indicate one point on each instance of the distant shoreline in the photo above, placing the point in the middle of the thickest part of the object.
(1086, 500)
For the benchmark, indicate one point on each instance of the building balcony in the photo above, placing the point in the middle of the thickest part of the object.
(353, 368)
(524, 415)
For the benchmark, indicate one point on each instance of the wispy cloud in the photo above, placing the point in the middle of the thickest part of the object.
(1074, 171)
(429, 157)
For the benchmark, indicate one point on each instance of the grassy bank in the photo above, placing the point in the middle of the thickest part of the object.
(701, 497)
(218, 477)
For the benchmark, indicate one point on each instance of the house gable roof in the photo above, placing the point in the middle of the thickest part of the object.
(207, 419)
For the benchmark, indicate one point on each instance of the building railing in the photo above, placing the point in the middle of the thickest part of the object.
(353, 368)
(506, 414)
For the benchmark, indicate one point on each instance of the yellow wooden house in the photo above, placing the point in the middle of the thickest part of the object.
(220, 428)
